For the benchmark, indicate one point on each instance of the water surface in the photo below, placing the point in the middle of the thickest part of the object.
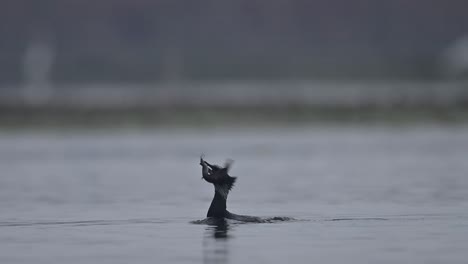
(360, 194)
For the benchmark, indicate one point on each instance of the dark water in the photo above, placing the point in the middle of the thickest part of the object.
(359, 194)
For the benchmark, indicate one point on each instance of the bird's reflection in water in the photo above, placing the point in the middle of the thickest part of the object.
(216, 242)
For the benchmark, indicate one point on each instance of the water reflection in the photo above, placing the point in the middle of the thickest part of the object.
(216, 242)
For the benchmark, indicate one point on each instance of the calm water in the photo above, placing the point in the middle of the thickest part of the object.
(361, 195)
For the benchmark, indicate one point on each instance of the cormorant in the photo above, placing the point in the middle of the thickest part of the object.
(223, 183)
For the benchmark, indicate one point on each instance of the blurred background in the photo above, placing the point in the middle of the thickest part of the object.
(349, 115)
(169, 59)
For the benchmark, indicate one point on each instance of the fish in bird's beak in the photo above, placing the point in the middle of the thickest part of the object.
(217, 175)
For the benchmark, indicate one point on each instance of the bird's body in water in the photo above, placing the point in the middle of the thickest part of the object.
(223, 183)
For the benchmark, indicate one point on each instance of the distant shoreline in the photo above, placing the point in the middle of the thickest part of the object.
(246, 93)
(236, 102)
(11, 117)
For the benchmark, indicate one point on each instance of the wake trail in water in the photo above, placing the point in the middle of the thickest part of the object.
(82, 222)
(358, 219)
(215, 221)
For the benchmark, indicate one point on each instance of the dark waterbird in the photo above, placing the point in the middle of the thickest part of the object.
(223, 183)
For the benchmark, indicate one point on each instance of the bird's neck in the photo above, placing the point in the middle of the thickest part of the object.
(218, 206)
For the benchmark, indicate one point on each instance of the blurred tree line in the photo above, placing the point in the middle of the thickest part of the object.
(150, 40)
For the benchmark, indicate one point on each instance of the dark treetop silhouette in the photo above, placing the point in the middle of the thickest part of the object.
(223, 183)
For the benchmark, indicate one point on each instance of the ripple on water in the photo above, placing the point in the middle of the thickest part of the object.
(83, 222)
